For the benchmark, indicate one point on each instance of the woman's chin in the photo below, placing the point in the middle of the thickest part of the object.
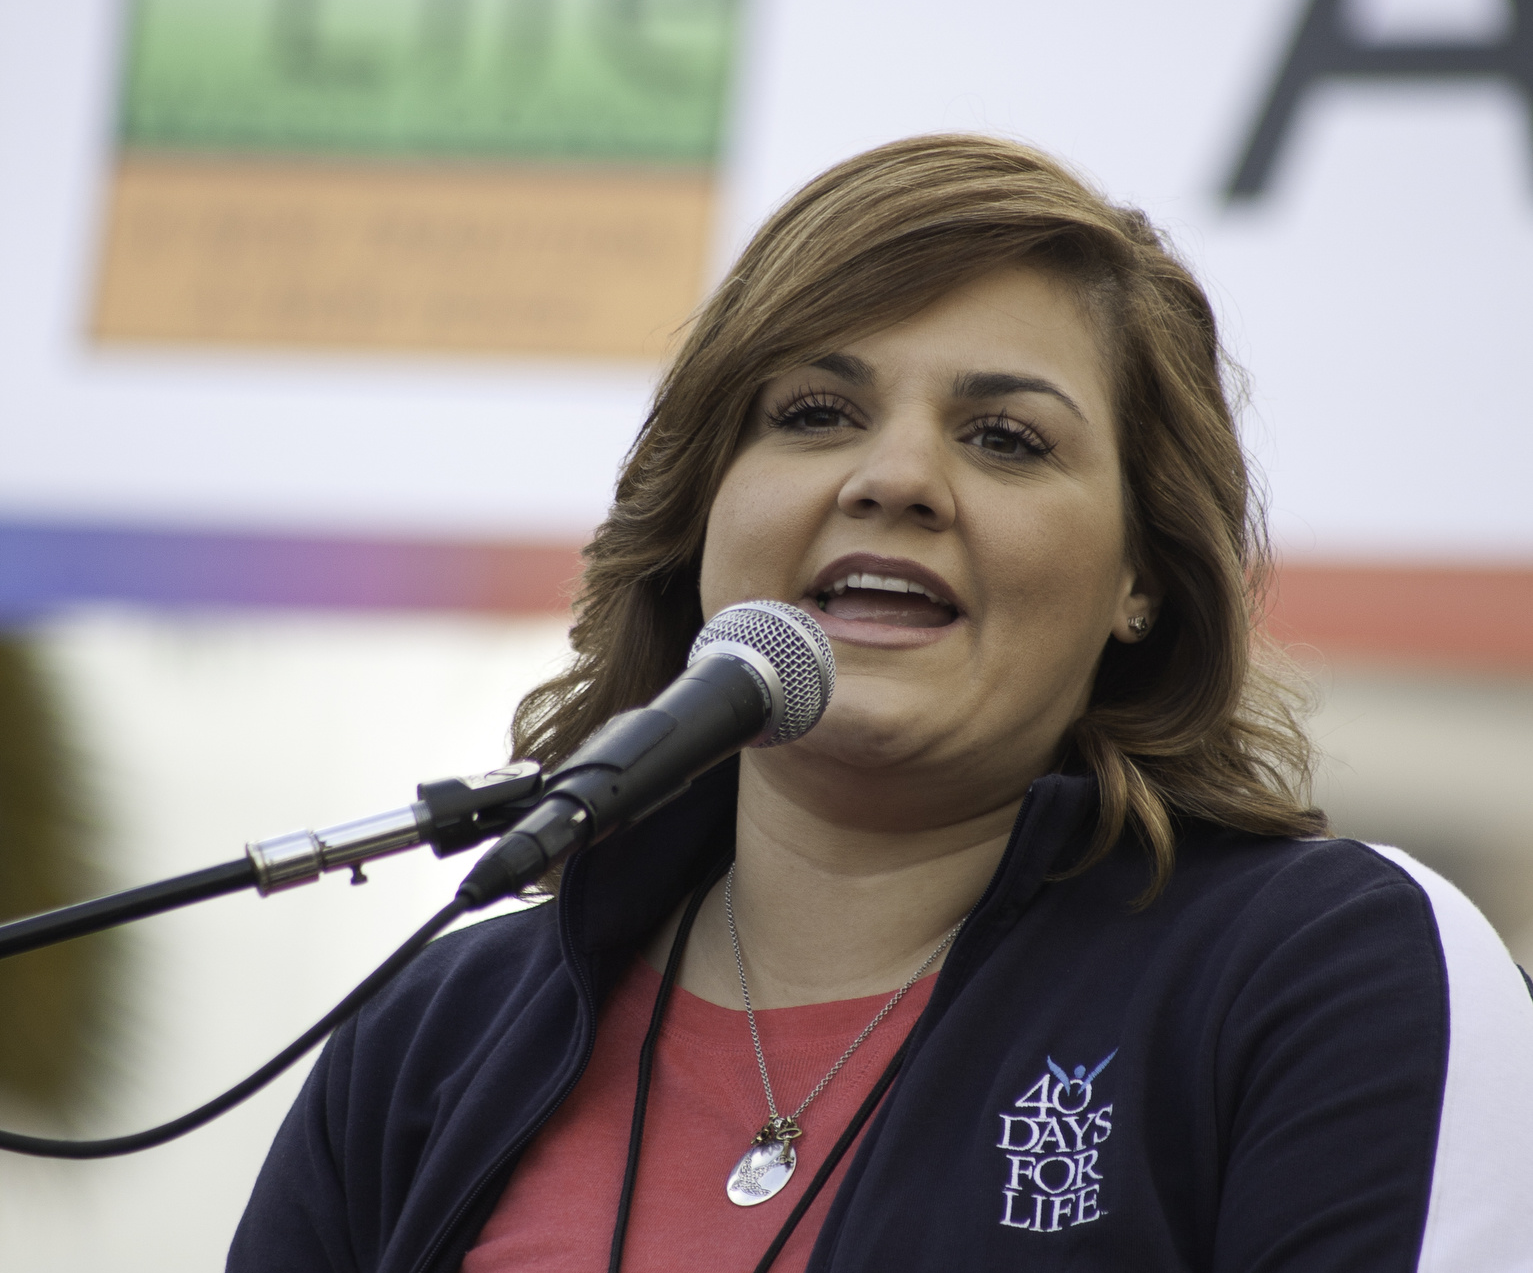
(867, 736)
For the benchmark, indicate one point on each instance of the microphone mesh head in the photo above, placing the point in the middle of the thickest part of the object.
(793, 645)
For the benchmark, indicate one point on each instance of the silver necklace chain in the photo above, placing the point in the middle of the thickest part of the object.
(750, 1015)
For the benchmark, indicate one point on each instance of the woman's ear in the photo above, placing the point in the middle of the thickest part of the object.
(1138, 608)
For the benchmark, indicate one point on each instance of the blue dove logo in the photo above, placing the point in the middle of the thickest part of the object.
(1080, 1080)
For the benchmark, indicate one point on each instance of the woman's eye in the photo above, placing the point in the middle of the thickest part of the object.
(818, 418)
(1007, 438)
(1001, 441)
(810, 417)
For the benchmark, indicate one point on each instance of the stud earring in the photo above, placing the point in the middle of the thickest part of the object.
(1139, 625)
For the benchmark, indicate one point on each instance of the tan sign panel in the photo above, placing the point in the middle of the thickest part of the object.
(484, 259)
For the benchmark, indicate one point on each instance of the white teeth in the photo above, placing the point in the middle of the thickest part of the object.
(883, 583)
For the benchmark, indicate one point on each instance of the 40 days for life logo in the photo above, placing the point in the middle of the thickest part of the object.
(1052, 1144)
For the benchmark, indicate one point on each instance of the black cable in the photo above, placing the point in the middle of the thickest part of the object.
(647, 1063)
(838, 1151)
(42, 1147)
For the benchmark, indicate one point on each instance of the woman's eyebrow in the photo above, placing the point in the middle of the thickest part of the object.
(997, 384)
(851, 369)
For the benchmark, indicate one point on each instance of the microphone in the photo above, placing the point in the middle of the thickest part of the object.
(759, 674)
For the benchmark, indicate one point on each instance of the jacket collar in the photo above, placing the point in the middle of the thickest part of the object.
(1052, 830)
(616, 893)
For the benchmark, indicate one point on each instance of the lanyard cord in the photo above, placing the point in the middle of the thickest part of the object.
(647, 1063)
(641, 1100)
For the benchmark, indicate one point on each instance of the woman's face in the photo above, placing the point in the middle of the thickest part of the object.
(945, 497)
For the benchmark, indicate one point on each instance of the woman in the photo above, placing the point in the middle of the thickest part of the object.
(971, 417)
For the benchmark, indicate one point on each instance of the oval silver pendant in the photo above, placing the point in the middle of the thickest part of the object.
(761, 1173)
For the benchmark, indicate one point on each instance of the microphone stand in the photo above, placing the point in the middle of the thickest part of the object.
(760, 671)
(451, 814)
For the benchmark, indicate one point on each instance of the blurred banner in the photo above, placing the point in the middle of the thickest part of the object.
(532, 176)
(356, 285)
(407, 267)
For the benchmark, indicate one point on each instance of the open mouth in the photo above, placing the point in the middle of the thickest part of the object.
(861, 597)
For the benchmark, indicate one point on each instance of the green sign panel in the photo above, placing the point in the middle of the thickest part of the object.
(606, 80)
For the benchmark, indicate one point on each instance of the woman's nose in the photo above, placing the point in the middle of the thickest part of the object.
(900, 475)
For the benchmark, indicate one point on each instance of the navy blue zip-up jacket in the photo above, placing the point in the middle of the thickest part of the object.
(1249, 1074)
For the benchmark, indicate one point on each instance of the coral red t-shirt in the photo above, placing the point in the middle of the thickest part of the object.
(705, 1105)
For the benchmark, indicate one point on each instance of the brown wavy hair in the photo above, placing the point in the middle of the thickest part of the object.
(1191, 722)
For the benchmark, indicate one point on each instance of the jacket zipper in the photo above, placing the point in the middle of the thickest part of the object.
(917, 1035)
(504, 1159)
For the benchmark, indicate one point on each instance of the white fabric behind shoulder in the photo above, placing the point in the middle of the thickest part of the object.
(1481, 1212)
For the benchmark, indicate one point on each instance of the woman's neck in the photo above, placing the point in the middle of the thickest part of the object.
(828, 908)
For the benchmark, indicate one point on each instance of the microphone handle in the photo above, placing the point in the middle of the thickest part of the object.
(635, 763)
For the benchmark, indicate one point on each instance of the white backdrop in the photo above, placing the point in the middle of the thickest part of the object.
(1378, 294)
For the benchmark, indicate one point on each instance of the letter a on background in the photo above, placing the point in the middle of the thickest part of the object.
(1327, 47)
